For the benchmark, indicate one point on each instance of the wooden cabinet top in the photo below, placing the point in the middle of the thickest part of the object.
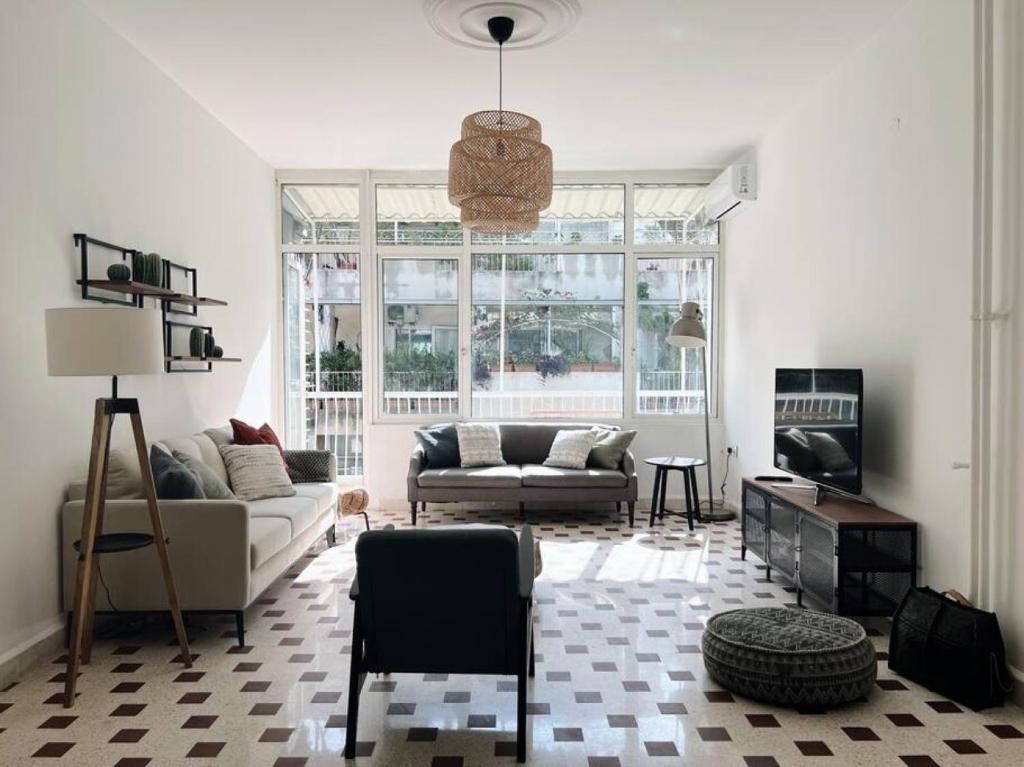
(833, 509)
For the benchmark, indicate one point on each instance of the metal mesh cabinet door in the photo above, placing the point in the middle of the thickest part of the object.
(817, 571)
(876, 567)
(782, 538)
(755, 515)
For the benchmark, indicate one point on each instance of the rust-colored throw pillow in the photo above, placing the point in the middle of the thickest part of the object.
(244, 434)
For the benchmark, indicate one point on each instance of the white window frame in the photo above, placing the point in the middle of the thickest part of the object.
(372, 256)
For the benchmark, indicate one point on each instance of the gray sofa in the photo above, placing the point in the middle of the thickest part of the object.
(524, 479)
(224, 553)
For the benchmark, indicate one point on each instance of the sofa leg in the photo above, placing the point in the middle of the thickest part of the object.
(632, 507)
(522, 511)
(331, 536)
(240, 627)
(413, 507)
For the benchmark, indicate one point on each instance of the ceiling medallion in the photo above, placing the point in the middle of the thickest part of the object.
(500, 172)
(537, 22)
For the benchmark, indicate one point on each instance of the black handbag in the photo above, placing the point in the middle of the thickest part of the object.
(944, 643)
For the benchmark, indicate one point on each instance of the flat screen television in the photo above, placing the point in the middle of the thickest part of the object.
(818, 425)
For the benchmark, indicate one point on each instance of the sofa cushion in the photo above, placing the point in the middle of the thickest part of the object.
(325, 494)
(570, 449)
(213, 486)
(300, 512)
(481, 476)
(171, 478)
(609, 448)
(441, 445)
(267, 536)
(209, 454)
(256, 471)
(550, 476)
(479, 445)
(523, 443)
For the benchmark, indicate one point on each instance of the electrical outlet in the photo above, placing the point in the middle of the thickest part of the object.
(731, 450)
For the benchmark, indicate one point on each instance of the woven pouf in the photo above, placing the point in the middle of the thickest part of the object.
(790, 657)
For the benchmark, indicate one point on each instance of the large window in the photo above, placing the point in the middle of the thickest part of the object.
(420, 335)
(568, 321)
(670, 379)
(547, 335)
(320, 242)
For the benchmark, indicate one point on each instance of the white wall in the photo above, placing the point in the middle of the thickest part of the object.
(858, 254)
(93, 138)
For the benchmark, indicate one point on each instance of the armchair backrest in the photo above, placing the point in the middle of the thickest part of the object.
(441, 601)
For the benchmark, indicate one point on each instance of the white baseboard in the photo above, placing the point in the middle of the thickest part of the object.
(44, 641)
(1017, 693)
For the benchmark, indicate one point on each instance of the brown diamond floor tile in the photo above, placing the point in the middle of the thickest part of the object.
(193, 698)
(713, 734)
(905, 720)
(128, 736)
(205, 750)
(919, 760)
(672, 708)
(290, 761)
(661, 748)
(57, 723)
(945, 706)
(422, 735)
(860, 733)
(255, 686)
(128, 709)
(588, 697)
(1005, 731)
(568, 734)
(965, 746)
(264, 709)
(133, 761)
(622, 721)
(326, 697)
(482, 721)
(763, 720)
(719, 696)
(199, 722)
(53, 750)
(336, 721)
(813, 748)
(603, 761)
(446, 761)
(760, 761)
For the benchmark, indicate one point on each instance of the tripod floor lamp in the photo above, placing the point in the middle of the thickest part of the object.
(689, 332)
(109, 342)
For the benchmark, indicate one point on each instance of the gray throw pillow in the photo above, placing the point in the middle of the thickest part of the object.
(256, 471)
(171, 478)
(609, 448)
(570, 448)
(441, 445)
(213, 486)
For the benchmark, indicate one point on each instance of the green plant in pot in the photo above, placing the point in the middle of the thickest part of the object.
(119, 272)
(196, 342)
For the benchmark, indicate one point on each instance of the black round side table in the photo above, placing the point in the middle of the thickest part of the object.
(662, 466)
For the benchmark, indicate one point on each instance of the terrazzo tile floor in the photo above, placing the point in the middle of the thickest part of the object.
(620, 680)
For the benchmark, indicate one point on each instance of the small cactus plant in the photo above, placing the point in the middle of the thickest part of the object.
(119, 272)
(217, 352)
(197, 342)
(209, 344)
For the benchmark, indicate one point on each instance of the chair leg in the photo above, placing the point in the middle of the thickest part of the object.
(366, 519)
(655, 493)
(522, 510)
(632, 508)
(412, 506)
(618, 506)
(240, 626)
(331, 535)
(423, 507)
(355, 684)
(533, 661)
(521, 717)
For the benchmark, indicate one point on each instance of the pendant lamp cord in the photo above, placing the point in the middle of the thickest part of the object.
(500, 79)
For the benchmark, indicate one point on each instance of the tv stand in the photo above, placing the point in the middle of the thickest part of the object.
(855, 559)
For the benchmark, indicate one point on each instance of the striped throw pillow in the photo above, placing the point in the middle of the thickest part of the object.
(256, 471)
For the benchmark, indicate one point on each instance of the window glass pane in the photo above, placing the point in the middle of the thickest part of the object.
(319, 213)
(579, 214)
(670, 379)
(420, 331)
(332, 365)
(416, 214)
(547, 335)
(671, 213)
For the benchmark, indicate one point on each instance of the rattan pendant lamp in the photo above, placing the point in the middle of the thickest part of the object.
(499, 172)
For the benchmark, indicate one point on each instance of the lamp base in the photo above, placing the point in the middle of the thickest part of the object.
(715, 511)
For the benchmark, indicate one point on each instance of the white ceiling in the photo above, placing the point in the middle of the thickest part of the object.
(636, 84)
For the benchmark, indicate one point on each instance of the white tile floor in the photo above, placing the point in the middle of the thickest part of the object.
(620, 680)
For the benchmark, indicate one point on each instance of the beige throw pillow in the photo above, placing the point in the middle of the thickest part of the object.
(256, 471)
(609, 447)
(571, 448)
(479, 444)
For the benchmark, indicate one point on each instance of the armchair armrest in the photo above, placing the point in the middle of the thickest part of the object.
(311, 465)
(526, 563)
(416, 462)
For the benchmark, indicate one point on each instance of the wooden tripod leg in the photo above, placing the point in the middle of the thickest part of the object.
(89, 616)
(149, 490)
(83, 581)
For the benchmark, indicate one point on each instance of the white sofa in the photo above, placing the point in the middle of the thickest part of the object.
(224, 553)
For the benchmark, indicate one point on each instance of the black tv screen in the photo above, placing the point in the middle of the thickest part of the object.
(818, 419)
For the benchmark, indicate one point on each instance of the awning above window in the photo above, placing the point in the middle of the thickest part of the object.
(323, 202)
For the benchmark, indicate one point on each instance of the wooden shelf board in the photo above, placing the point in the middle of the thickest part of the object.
(183, 298)
(174, 358)
(135, 288)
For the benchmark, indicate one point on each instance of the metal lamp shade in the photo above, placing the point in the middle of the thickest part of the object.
(688, 330)
(500, 173)
(104, 342)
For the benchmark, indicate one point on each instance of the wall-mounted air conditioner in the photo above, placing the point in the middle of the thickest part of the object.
(728, 194)
(401, 314)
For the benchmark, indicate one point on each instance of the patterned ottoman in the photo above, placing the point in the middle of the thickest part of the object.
(790, 657)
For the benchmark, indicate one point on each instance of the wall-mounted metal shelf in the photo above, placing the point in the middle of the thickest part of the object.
(170, 300)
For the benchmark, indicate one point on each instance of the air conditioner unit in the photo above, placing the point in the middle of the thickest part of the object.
(401, 314)
(727, 194)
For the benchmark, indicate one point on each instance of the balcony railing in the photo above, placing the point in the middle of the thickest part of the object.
(335, 414)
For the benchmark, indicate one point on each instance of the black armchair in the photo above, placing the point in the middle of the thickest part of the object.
(443, 600)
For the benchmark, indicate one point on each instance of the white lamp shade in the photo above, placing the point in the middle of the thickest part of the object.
(104, 342)
(688, 330)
